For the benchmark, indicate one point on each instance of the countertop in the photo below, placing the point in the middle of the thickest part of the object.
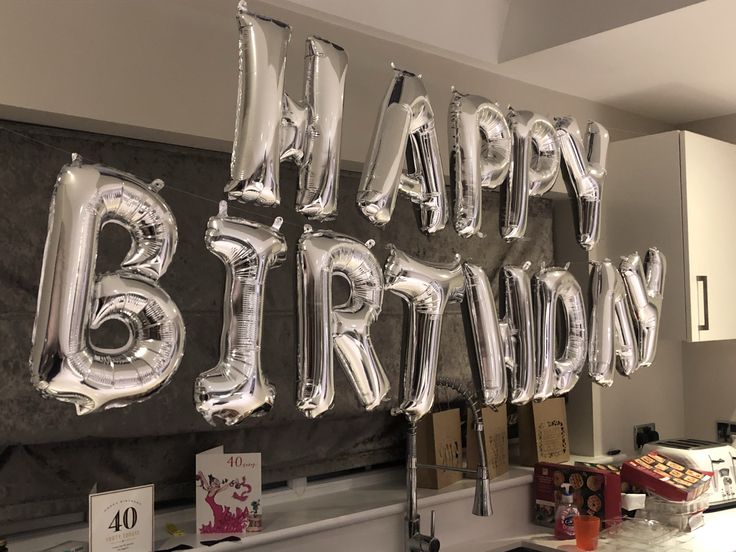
(717, 535)
(289, 514)
(352, 501)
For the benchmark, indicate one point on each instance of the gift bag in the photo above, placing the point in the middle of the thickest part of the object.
(439, 441)
(496, 438)
(543, 432)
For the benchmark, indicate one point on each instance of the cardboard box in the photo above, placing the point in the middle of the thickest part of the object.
(665, 477)
(495, 429)
(595, 492)
(439, 441)
(543, 432)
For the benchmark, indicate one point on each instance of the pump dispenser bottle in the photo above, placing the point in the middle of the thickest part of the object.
(566, 511)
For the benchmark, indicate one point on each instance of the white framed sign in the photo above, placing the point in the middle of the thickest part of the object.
(121, 521)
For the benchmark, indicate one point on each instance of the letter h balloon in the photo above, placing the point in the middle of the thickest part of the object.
(271, 127)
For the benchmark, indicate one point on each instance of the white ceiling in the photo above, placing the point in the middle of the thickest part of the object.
(665, 59)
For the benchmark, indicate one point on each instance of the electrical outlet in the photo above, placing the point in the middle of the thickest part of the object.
(641, 431)
(724, 431)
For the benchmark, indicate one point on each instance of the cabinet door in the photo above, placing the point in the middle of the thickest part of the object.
(709, 199)
(642, 208)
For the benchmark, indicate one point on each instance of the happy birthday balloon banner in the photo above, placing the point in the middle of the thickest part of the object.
(519, 152)
(516, 357)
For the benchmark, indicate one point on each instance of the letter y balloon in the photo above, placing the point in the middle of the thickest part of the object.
(645, 289)
(626, 314)
(583, 169)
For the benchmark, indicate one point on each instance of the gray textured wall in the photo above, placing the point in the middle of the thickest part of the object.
(50, 458)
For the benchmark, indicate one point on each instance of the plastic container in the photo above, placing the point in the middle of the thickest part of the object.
(587, 529)
(658, 504)
(684, 516)
(643, 535)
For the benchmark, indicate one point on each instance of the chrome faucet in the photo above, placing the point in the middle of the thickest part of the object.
(415, 540)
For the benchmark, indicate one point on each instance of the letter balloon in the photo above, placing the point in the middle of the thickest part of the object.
(427, 288)
(645, 289)
(271, 127)
(558, 371)
(489, 336)
(72, 301)
(404, 157)
(625, 315)
(583, 170)
(236, 387)
(612, 334)
(344, 329)
(480, 156)
(517, 300)
(535, 162)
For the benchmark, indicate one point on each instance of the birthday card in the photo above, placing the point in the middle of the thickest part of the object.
(228, 494)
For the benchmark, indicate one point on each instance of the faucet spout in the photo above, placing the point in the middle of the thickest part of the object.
(415, 540)
(482, 502)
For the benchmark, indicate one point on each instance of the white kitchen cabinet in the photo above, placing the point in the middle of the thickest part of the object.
(677, 191)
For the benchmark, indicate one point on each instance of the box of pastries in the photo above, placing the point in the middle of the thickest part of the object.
(665, 477)
(596, 492)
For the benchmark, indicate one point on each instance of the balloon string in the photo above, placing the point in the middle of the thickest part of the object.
(232, 206)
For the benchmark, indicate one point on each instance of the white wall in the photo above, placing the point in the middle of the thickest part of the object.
(167, 71)
(721, 128)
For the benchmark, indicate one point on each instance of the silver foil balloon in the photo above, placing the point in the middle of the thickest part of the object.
(236, 388)
(426, 288)
(645, 289)
(404, 157)
(558, 372)
(73, 300)
(488, 337)
(583, 169)
(324, 327)
(480, 156)
(271, 127)
(518, 327)
(535, 163)
(612, 338)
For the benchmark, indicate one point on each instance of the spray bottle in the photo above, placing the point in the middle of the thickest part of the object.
(566, 511)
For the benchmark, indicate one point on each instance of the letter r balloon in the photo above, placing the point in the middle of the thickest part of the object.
(344, 329)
